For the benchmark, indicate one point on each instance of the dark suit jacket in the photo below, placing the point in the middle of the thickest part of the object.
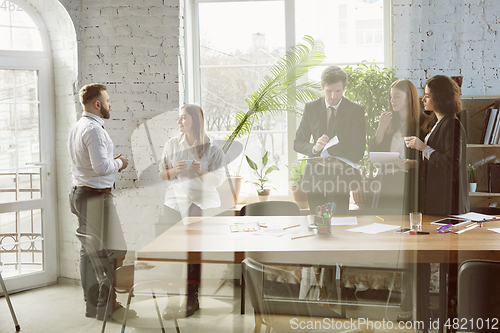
(443, 187)
(349, 127)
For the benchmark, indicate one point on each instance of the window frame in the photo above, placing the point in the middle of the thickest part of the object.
(191, 72)
(40, 61)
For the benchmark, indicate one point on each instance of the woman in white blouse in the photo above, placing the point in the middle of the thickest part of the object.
(406, 119)
(193, 167)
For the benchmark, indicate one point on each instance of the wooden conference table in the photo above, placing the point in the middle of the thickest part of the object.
(211, 241)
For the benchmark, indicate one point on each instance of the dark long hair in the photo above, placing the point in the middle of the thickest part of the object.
(413, 106)
(198, 128)
(445, 94)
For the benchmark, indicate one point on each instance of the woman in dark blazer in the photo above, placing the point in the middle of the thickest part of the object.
(399, 183)
(443, 187)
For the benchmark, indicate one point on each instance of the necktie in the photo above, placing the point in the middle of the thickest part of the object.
(331, 119)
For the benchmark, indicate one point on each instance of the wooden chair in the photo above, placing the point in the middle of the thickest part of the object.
(11, 308)
(278, 307)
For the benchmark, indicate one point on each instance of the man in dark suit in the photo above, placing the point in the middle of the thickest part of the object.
(324, 119)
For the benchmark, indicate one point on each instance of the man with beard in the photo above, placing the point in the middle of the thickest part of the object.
(93, 167)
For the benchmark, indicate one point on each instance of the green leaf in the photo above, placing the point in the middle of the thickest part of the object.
(264, 159)
(251, 163)
(271, 169)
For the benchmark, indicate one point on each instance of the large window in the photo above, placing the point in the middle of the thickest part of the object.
(232, 44)
(27, 220)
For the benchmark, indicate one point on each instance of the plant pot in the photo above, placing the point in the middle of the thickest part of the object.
(227, 197)
(472, 187)
(264, 195)
(300, 197)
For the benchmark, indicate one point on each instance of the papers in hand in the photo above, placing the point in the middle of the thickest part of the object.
(333, 141)
(476, 217)
(374, 228)
(383, 158)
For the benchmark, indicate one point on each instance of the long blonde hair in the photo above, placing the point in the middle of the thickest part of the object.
(198, 128)
(413, 104)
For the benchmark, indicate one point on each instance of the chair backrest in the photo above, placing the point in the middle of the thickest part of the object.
(478, 294)
(97, 255)
(486, 210)
(271, 208)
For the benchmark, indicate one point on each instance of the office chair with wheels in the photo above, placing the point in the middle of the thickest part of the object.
(124, 278)
(11, 308)
(271, 208)
(478, 294)
(282, 311)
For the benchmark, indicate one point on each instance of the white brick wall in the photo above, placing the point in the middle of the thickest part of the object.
(132, 47)
(451, 38)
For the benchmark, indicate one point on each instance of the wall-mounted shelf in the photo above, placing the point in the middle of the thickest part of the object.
(483, 194)
(480, 154)
(477, 145)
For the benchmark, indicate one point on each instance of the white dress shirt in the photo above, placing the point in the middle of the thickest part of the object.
(187, 187)
(325, 153)
(91, 152)
(426, 154)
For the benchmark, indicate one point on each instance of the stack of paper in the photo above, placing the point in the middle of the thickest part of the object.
(476, 217)
(374, 228)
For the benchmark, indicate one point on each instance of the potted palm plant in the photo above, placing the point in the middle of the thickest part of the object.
(262, 179)
(297, 172)
(279, 91)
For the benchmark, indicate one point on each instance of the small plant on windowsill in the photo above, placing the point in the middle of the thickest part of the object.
(472, 175)
(262, 179)
(297, 171)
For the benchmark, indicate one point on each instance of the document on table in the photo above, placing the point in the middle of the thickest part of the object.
(383, 158)
(476, 217)
(495, 230)
(274, 232)
(350, 220)
(374, 228)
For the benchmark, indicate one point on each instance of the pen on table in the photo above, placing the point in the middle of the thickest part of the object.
(414, 232)
(297, 237)
(467, 229)
(379, 217)
(292, 226)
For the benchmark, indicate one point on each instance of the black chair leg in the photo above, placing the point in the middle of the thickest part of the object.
(11, 308)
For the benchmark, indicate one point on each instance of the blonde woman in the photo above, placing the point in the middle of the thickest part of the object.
(192, 166)
(399, 189)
